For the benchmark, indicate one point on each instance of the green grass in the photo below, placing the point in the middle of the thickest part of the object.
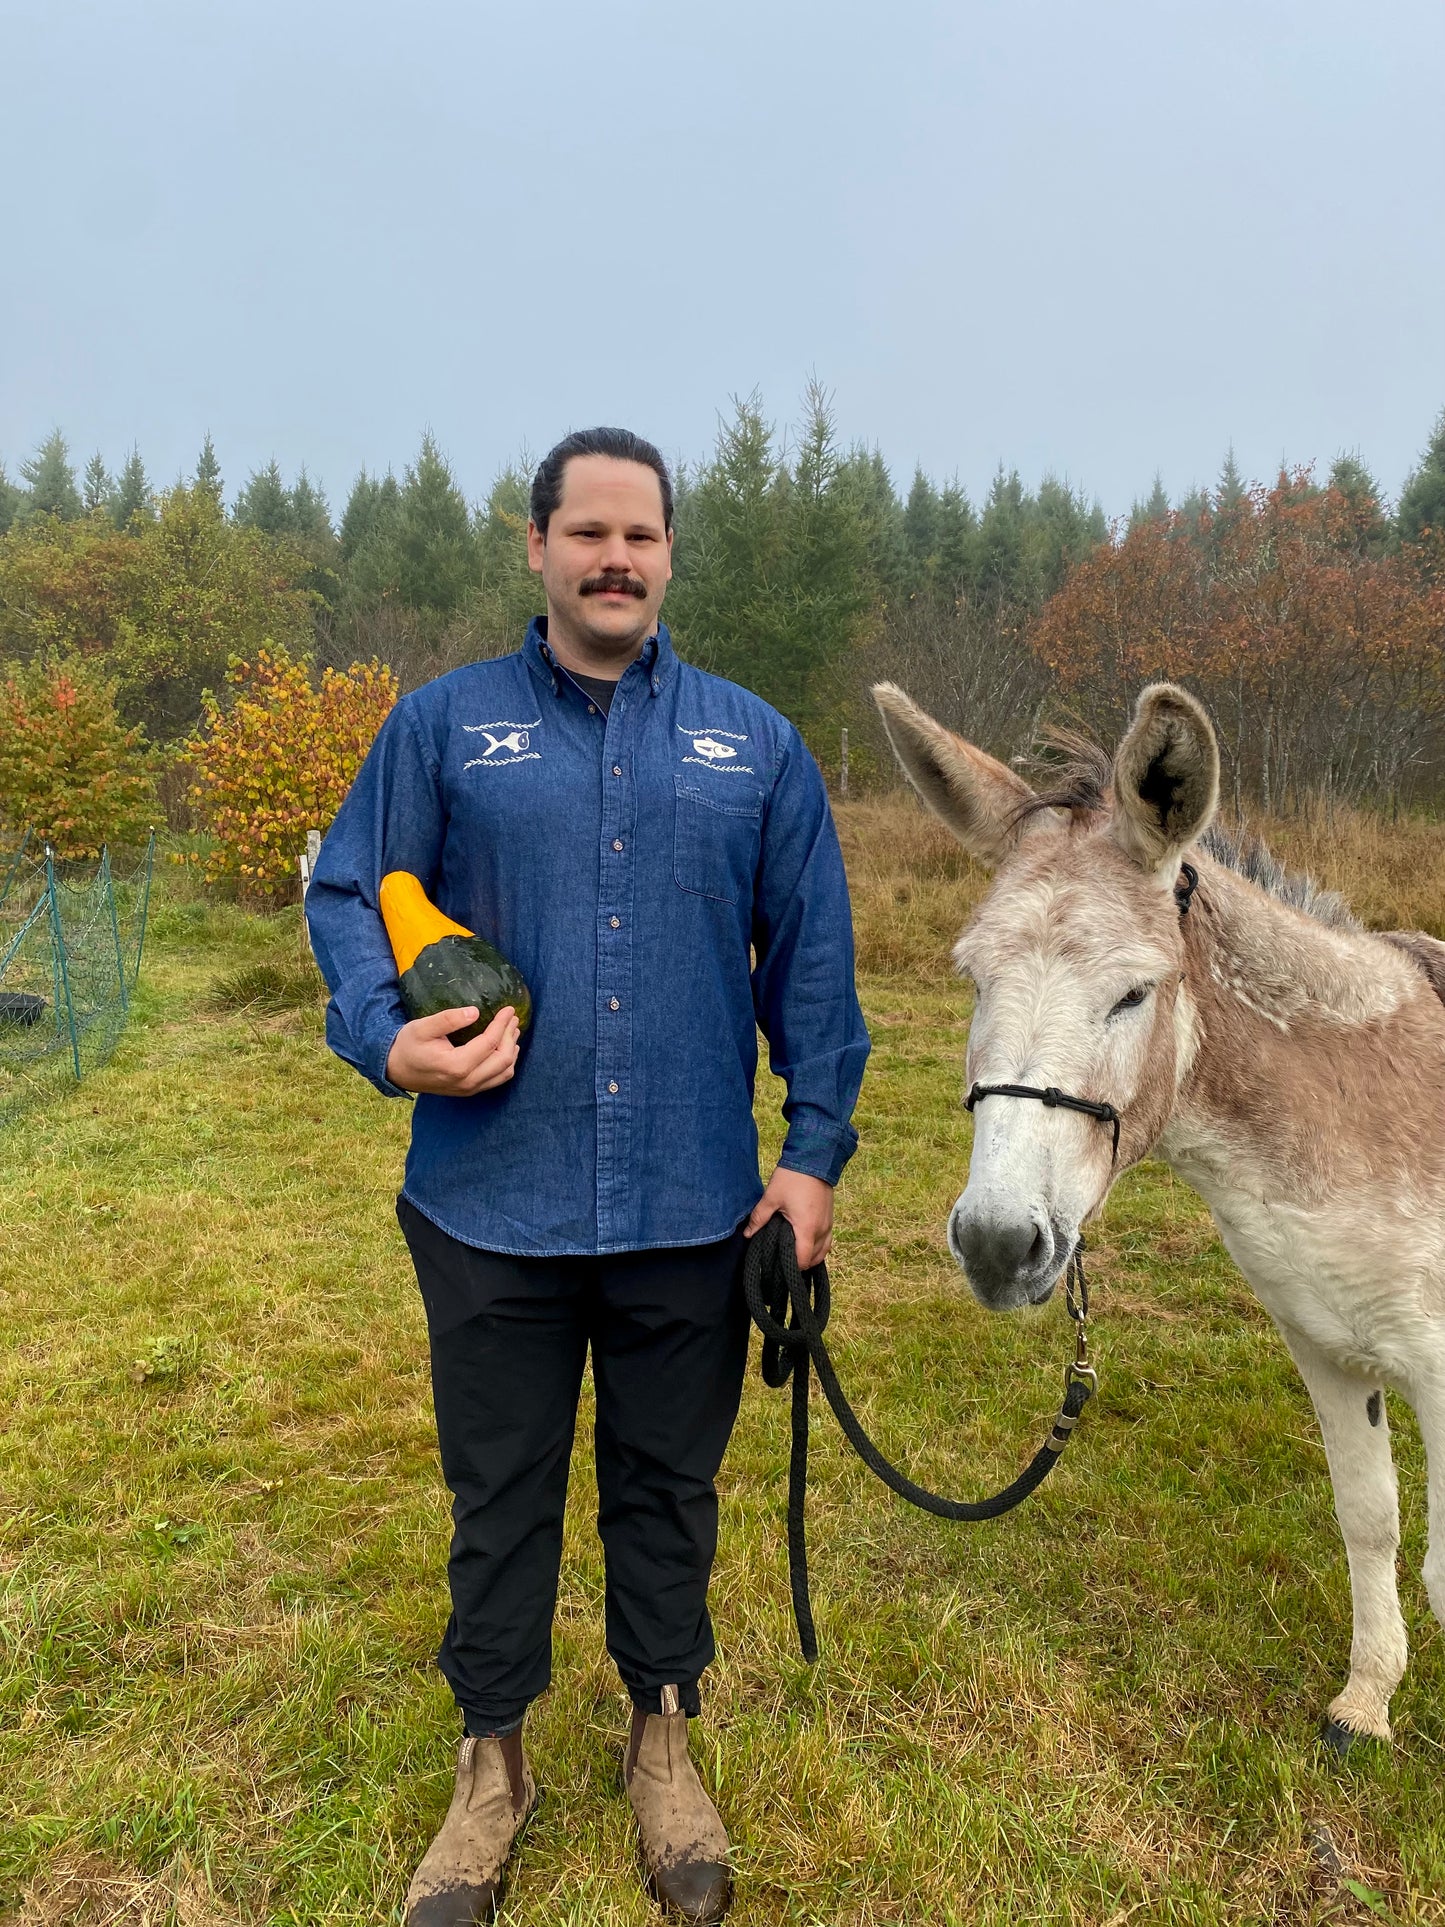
(223, 1535)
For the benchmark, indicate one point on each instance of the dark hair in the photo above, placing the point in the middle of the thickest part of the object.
(618, 443)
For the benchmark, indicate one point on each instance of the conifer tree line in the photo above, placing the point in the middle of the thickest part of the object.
(801, 569)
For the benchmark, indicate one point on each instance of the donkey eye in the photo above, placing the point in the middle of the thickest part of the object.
(1131, 999)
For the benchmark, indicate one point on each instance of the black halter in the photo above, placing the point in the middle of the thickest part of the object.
(1054, 1098)
(1051, 1095)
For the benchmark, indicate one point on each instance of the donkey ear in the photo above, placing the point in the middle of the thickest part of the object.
(979, 799)
(1166, 778)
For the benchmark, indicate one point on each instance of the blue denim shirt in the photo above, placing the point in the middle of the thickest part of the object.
(667, 878)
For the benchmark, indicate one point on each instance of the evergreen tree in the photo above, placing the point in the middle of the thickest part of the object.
(772, 564)
(132, 502)
(921, 527)
(509, 595)
(863, 481)
(97, 486)
(1230, 492)
(822, 570)
(955, 561)
(1058, 532)
(1001, 540)
(1193, 509)
(371, 510)
(310, 514)
(51, 483)
(436, 550)
(1370, 528)
(723, 557)
(1156, 509)
(10, 501)
(265, 502)
(1422, 503)
(208, 469)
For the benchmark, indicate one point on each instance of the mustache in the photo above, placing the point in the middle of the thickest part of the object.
(613, 585)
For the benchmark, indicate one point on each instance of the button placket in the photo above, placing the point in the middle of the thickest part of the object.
(616, 1210)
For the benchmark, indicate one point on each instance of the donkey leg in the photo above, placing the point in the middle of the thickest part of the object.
(1356, 1433)
(1429, 1402)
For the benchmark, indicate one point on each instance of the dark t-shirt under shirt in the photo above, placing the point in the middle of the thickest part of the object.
(597, 689)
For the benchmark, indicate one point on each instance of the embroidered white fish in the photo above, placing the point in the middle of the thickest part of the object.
(514, 742)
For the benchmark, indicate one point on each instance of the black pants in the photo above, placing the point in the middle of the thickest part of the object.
(509, 1337)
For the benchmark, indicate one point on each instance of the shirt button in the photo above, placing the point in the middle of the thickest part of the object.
(613, 1088)
(617, 769)
(616, 922)
(617, 842)
(591, 709)
(613, 1004)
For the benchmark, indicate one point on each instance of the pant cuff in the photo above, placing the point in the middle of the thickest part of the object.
(648, 1699)
(488, 1726)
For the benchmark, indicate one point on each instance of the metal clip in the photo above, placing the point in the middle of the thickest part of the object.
(1076, 1298)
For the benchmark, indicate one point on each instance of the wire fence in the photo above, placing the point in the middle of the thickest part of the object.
(71, 937)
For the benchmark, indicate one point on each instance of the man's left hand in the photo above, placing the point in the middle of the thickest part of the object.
(807, 1204)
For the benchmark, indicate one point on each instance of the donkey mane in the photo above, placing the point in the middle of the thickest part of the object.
(1079, 774)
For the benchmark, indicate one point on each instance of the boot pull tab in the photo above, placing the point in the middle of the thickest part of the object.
(670, 1702)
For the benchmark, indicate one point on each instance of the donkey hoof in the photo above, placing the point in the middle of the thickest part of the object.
(1341, 1740)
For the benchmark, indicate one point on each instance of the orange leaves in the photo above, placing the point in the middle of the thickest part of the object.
(276, 759)
(1322, 652)
(69, 769)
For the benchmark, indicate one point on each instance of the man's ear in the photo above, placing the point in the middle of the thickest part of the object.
(980, 800)
(1166, 778)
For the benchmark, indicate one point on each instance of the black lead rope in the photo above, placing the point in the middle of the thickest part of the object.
(778, 1291)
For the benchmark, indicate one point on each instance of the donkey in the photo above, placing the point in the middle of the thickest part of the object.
(1289, 1066)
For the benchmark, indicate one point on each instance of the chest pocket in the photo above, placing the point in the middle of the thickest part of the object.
(716, 840)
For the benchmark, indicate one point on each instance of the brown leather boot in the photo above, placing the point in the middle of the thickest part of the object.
(461, 1878)
(684, 1842)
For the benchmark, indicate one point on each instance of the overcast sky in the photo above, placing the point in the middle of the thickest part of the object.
(1097, 239)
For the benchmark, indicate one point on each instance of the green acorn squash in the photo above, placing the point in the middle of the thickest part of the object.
(444, 966)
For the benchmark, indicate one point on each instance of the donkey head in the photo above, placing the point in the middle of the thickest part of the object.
(1077, 956)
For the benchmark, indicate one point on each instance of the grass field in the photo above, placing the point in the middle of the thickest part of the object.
(223, 1530)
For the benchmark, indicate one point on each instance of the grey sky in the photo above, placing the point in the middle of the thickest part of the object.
(1094, 239)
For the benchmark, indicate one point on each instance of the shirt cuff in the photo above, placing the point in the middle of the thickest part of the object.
(818, 1152)
(377, 1070)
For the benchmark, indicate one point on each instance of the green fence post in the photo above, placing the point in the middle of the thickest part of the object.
(62, 973)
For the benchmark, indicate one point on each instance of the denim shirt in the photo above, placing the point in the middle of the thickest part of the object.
(667, 879)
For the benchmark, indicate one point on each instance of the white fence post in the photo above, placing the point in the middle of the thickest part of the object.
(308, 864)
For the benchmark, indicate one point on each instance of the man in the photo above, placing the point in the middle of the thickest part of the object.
(652, 847)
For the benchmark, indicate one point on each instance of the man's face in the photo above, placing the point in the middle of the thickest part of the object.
(606, 559)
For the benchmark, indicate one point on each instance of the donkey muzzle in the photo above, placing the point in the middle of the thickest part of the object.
(1010, 1257)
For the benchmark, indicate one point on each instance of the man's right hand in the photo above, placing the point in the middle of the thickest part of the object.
(423, 1059)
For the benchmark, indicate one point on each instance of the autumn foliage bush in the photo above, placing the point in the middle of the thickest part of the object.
(163, 607)
(274, 758)
(1317, 640)
(70, 770)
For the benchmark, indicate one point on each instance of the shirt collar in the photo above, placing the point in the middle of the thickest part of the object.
(656, 662)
